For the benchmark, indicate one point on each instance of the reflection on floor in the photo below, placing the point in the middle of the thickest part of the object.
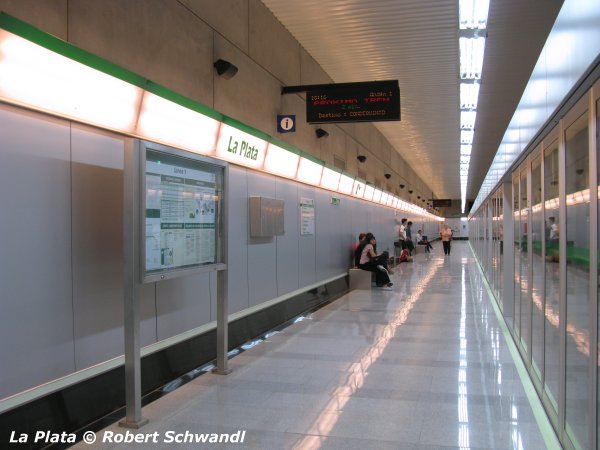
(423, 365)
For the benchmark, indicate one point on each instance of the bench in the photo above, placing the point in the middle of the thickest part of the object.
(359, 279)
(419, 245)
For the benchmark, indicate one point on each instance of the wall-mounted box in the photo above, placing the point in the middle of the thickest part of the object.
(266, 217)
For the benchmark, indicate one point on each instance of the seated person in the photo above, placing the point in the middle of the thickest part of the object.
(355, 254)
(422, 240)
(372, 262)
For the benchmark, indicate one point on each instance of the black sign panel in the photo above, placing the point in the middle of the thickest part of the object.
(354, 102)
(442, 203)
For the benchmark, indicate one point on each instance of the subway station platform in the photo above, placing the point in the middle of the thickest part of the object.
(424, 365)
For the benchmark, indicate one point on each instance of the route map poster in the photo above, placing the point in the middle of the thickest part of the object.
(181, 212)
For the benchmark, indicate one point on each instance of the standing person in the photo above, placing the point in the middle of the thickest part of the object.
(422, 240)
(372, 262)
(409, 242)
(446, 235)
(402, 233)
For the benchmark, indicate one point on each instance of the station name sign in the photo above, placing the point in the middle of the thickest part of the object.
(376, 101)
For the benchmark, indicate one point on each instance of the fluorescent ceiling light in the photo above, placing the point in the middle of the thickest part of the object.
(471, 57)
(467, 119)
(384, 198)
(369, 191)
(330, 179)
(33, 76)
(280, 161)
(473, 14)
(167, 122)
(466, 136)
(309, 172)
(346, 184)
(469, 93)
(465, 150)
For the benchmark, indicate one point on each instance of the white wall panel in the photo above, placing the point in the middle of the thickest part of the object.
(35, 237)
(307, 243)
(287, 245)
(182, 304)
(323, 232)
(237, 240)
(262, 252)
(97, 201)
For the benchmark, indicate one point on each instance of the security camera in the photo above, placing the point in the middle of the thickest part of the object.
(361, 158)
(388, 176)
(410, 191)
(320, 132)
(225, 69)
(401, 186)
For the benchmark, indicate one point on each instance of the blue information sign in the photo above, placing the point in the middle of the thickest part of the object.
(286, 123)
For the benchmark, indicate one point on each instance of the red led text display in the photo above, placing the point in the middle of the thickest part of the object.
(371, 104)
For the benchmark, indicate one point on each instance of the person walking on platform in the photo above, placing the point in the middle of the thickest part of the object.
(446, 235)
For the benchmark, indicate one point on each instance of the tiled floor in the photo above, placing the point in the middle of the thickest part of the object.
(423, 366)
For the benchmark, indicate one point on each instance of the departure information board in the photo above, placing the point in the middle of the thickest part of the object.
(368, 102)
(181, 212)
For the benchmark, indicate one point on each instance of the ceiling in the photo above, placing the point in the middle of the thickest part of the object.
(416, 42)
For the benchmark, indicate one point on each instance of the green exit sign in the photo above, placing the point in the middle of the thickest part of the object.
(335, 201)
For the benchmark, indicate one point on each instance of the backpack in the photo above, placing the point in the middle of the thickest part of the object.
(405, 256)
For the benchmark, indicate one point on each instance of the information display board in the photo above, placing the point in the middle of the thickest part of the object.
(182, 213)
(363, 102)
(442, 203)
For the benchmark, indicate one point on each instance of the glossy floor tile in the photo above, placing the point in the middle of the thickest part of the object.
(421, 366)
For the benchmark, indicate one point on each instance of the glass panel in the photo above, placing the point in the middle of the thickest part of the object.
(551, 274)
(488, 239)
(495, 244)
(598, 221)
(537, 283)
(524, 281)
(501, 237)
(578, 260)
(517, 244)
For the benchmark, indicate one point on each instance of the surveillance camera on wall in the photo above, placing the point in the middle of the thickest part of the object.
(361, 158)
(225, 69)
(320, 132)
